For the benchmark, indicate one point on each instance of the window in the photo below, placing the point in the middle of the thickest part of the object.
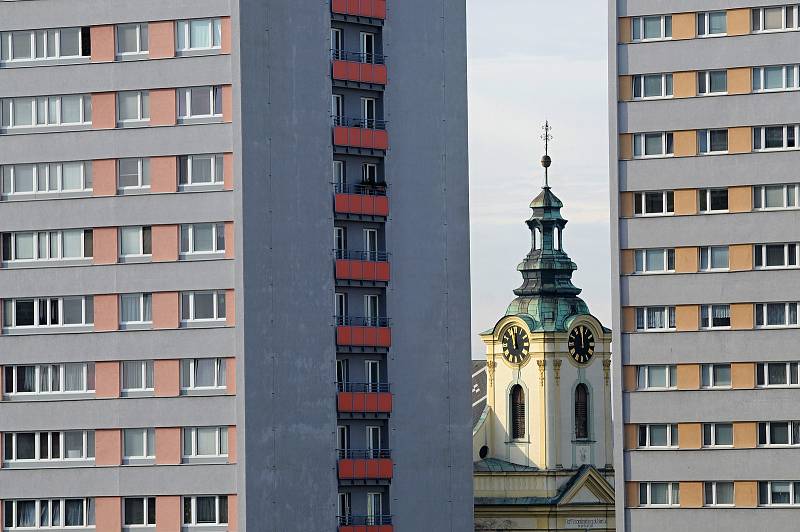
(136, 241)
(659, 494)
(662, 435)
(135, 308)
(48, 446)
(372, 369)
(715, 376)
(340, 308)
(656, 377)
(340, 242)
(205, 510)
(712, 141)
(368, 113)
(655, 318)
(652, 86)
(38, 45)
(374, 508)
(137, 375)
(48, 379)
(774, 138)
(653, 203)
(717, 434)
(777, 18)
(652, 145)
(138, 443)
(133, 106)
(24, 179)
(203, 238)
(342, 374)
(775, 78)
(713, 199)
(779, 374)
(712, 82)
(651, 28)
(337, 109)
(371, 244)
(654, 260)
(133, 173)
(775, 255)
(718, 493)
(776, 314)
(779, 433)
(517, 412)
(46, 111)
(199, 34)
(47, 245)
(714, 258)
(139, 511)
(48, 312)
(712, 23)
(132, 39)
(778, 493)
(201, 169)
(202, 373)
(369, 173)
(200, 102)
(336, 43)
(372, 310)
(715, 316)
(581, 412)
(775, 197)
(368, 54)
(339, 175)
(202, 306)
(205, 442)
(47, 513)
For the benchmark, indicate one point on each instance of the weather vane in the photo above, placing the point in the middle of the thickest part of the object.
(546, 161)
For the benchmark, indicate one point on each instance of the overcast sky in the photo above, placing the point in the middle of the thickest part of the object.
(531, 60)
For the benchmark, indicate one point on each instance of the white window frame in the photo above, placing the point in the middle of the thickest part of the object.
(708, 379)
(145, 301)
(339, 175)
(788, 12)
(193, 510)
(42, 109)
(149, 520)
(44, 454)
(48, 178)
(706, 256)
(46, 239)
(340, 307)
(187, 237)
(87, 514)
(369, 112)
(704, 137)
(643, 373)
(710, 488)
(791, 256)
(704, 24)
(638, 23)
(367, 41)
(640, 143)
(640, 258)
(707, 316)
(791, 434)
(189, 374)
(189, 439)
(640, 200)
(794, 487)
(646, 430)
(142, 39)
(44, 36)
(789, 75)
(669, 318)
(704, 196)
(762, 315)
(712, 443)
(183, 27)
(337, 109)
(372, 309)
(639, 86)
(9, 312)
(673, 494)
(142, 107)
(185, 96)
(148, 437)
(142, 173)
(790, 195)
(791, 373)
(187, 169)
(146, 373)
(704, 82)
(790, 138)
(88, 379)
(145, 233)
(189, 316)
(337, 43)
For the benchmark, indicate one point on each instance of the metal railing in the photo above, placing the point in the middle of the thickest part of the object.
(367, 520)
(363, 387)
(367, 454)
(364, 123)
(361, 321)
(372, 256)
(366, 189)
(358, 57)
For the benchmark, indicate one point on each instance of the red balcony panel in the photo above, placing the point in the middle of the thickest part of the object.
(376, 402)
(361, 8)
(367, 528)
(358, 335)
(361, 137)
(363, 72)
(361, 204)
(362, 270)
(363, 468)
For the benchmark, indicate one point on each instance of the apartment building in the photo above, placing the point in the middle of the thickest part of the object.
(704, 183)
(234, 273)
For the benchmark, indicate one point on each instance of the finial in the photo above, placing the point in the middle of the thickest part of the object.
(546, 161)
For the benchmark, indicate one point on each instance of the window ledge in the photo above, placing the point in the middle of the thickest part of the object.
(48, 464)
(30, 331)
(64, 396)
(33, 130)
(58, 61)
(32, 264)
(39, 196)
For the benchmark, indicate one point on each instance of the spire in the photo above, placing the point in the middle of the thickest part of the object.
(546, 161)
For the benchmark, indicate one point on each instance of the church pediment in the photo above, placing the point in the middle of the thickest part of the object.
(587, 487)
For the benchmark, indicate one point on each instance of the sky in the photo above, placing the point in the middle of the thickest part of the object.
(531, 61)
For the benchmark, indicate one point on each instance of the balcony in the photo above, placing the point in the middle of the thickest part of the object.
(365, 523)
(362, 266)
(362, 133)
(360, 8)
(363, 332)
(364, 398)
(361, 200)
(359, 67)
(365, 464)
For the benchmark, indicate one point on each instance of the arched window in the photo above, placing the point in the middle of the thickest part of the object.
(581, 412)
(517, 412)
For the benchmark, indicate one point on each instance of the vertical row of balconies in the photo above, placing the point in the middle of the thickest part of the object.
(362, 272)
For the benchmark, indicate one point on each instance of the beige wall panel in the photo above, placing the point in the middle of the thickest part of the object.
(743, 375)
(740, 140)
(745, 494)
(629, 378)
(625, 88)
(626, 204)
(742, 316)
(691, 494)
(628, 319)
(626, 147)
(690, 435)
(631, 439)
(740, 199)
(686, 260)
(687, 317)
(745, 435)
(686, 201)
(684, 26)
(684, 84)
(688, 376)
(685, 143)
(628, 265)
(740, 257)
(631, 494)
(740, 80)
(625, 32)
(738, 21)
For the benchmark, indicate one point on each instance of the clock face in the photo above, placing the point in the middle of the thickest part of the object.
(515, 344)
(581, 344)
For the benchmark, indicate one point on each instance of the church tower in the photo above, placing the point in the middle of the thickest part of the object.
(548, 393)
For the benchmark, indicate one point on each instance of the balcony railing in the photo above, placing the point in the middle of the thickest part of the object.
(372, 256)
(370, 387)
(361, 199)
(366, 189)
(358, 57)
(363, 454)
(364, 398)
(363, 123)
(368, 520)
(361, 321)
